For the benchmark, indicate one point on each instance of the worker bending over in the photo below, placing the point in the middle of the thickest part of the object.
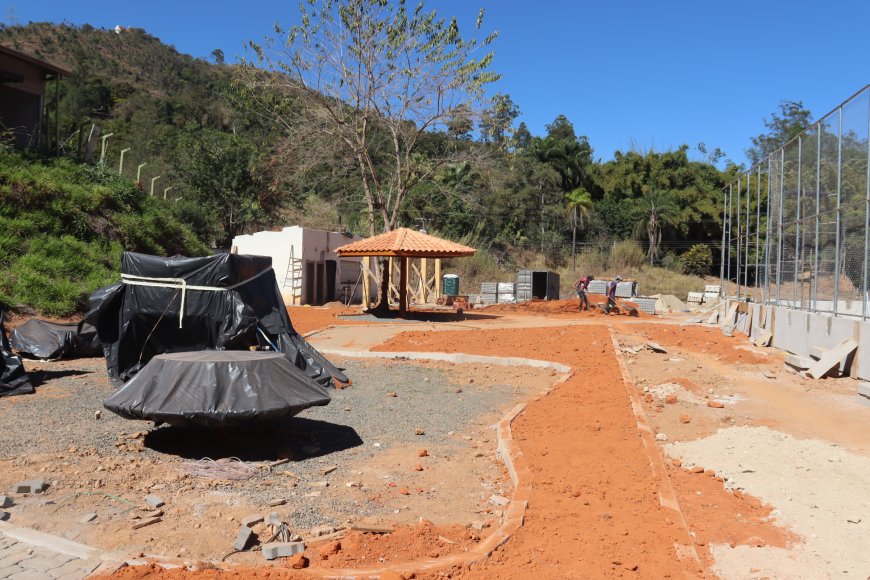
(581, 286)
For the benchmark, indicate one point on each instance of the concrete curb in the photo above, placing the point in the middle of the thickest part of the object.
(456, 357)
(667, 495)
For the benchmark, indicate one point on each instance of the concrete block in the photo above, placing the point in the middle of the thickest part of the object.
(817, 352)
(832, 358)
(30, 486)
(244, 538)
(6, 501)
(253, 520)
(274, 550)
(798, 362)
(154, 501)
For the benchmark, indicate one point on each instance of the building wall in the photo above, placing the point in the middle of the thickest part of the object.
(21, 102)
(309, 246)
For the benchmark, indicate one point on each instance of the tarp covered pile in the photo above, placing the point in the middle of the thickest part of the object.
(217, 388)
(51, 340)
(13, 378)
(225, 302)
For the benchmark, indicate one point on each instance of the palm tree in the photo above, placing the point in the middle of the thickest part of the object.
(579, 204)
(658, 211)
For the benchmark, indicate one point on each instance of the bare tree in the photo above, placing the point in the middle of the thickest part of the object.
(379, 77)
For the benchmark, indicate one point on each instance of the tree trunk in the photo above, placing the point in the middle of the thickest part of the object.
(574, 240)
(383, 305)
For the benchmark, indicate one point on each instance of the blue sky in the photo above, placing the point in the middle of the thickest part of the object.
(630, 74)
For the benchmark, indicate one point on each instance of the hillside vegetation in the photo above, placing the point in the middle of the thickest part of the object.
(64, 225)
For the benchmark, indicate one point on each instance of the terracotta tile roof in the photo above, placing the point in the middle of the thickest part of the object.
(405, 242)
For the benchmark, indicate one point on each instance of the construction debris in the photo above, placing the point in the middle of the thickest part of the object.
(274, 550)
(244, 538)
(30, 486)
(229, 469)
(154, 501)
(832, 358)
(656, 347)
(146, 522)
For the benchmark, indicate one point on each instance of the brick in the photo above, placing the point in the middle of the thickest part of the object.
(6, 501)
(154, 501)
(253, 520)
(274, 550)
(244, 538)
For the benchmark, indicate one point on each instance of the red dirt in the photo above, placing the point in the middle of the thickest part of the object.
(308, 318)
(551, 307)
(593, 507)
(698, 339)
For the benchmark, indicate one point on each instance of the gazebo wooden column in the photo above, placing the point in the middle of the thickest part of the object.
(403, 285)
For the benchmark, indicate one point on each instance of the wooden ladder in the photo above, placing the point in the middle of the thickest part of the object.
(293, 278)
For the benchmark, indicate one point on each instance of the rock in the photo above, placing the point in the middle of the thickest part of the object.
(715, 405)
(697, 469)
(418, 467)
(4, 516)
(98, 414)
(297, 562)
(677, 462)
(277, 502)
(330, 549)
(392, 394)
(709, 473)
(274, 550)
(88, 518)
(404, 491)
(499, 500)
(755, 541)
(423, 453)
(458, 391)
(6, 501)
(671, 399)
(684, 419)
(419, 431)
(253, 520)
(477, 525)
(661, 437)
(245, 538)
(154, 501)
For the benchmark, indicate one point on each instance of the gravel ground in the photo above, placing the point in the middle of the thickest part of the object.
(362, 425)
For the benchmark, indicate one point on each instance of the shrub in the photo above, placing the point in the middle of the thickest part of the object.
(672, 262)
(626, 254)
(698, 260)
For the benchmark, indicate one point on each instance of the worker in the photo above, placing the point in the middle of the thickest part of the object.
(582, 286)
(611, 294)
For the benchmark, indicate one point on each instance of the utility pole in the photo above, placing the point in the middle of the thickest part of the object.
(139, 172)
(153, 179)
(103, 148)
(165, 190)
(121, 163)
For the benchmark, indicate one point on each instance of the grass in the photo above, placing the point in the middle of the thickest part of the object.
(64, 226)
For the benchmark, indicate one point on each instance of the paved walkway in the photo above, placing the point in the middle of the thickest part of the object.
(28, 560)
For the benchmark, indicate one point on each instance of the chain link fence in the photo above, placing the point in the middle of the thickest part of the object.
(796, 224)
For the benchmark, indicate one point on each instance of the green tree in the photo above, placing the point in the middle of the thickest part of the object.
(657, 211)
(782, 127)
(496, 120)
(579, 205)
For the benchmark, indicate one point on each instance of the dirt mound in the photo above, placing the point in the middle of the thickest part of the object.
(551, 307)
(701, 339)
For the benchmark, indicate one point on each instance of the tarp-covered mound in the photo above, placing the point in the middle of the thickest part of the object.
(220, 302)
(51, 340)
(217, 388)
(13, 378)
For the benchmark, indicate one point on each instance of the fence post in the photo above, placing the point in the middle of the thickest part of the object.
(866, 223)
(797, 226)
(728, 261)
(815, 306)
(746, 242)
(839, 210)
(739, 245)
(767, 240)
(722, 256)
(779, 236)
(757, 293)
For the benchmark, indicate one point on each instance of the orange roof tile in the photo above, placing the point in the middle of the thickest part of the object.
(405, 242)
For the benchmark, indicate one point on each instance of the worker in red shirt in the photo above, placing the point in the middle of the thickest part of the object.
(581, 286)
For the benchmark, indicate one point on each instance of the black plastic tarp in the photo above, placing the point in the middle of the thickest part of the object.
(217, 389)
(51, 340)
(13, 378)
(220, 302)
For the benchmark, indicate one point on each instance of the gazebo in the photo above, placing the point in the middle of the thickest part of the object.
(404, 244)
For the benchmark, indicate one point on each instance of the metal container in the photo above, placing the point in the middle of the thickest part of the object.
(450, 284)
(540, 284)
